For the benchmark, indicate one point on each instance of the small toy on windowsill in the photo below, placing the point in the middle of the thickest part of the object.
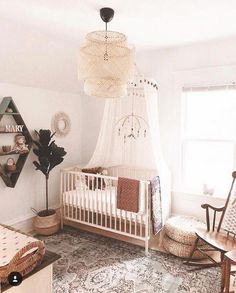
(207, 191)
(20, 145)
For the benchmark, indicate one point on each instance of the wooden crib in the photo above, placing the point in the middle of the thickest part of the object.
(91, 199)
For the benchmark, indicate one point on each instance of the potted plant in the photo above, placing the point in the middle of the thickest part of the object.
(49, 156)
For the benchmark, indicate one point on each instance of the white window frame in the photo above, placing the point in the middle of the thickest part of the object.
(185, 139)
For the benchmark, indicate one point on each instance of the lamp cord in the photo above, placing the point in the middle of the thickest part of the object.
(106, 37)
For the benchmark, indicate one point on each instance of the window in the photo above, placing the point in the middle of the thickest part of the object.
(209, 138)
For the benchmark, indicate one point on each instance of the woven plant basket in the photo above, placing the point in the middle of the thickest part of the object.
(182, 229)
(180, 249)
(46, 225)
(23, 262)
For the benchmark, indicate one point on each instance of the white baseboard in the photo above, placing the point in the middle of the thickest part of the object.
(24, 224)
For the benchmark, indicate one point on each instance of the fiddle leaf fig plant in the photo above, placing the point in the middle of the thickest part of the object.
(49, 156)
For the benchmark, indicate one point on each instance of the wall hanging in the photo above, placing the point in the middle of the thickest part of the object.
(106, 62)
(10, 172)
(61, 124)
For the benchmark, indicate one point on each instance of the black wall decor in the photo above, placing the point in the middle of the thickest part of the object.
(22, 138)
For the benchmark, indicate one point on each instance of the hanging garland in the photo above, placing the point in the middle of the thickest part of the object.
(144, 80)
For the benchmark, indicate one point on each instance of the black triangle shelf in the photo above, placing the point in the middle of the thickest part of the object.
(10, 178)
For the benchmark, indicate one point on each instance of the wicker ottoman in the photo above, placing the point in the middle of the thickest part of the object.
(180, 236)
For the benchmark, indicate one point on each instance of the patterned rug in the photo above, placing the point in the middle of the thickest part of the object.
(92, 263)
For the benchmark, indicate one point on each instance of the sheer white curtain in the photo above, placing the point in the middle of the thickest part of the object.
(151, 99)
(142, 152)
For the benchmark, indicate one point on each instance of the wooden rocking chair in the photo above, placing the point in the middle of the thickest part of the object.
(221, 238)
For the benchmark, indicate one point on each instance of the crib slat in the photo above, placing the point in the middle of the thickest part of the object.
(110, 193)
(63, 203)
(115, 207)
(101, 202)
(130, 223)
(92, 198)
(125, 220)
(61, 200)
(88, 198)
(147, 217)
(106, 199)
(72, 196)
(75, 199)
(68, 196)
(83, 202)
(81, 188)
(141, 222)
(97, 205)
(77, 203)
(64, 192)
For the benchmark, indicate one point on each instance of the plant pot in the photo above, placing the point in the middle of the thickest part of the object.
(46, 223)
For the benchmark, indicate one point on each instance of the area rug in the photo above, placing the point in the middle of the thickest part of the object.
(92, 263)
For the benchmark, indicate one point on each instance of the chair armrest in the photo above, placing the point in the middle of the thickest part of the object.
(231, 255)
(217, 209)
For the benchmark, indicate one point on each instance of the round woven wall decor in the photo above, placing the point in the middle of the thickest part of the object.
(61, 124)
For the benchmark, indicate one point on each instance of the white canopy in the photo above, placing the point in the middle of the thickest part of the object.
(117, 146)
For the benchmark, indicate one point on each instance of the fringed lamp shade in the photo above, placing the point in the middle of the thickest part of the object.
(105, 88)
(106, 63)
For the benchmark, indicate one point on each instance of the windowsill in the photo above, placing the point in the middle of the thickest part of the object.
(200, 195)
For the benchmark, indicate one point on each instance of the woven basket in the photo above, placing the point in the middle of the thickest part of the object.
(23, 262)
(182, 229)
(47, 225)
(179, 249)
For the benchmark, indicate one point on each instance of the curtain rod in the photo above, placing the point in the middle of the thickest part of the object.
(209, 87)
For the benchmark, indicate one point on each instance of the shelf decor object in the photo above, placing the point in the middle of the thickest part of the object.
(61, 124)
(106, 61)
(23, 142)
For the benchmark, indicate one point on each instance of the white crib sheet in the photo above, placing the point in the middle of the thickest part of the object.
(103, 201)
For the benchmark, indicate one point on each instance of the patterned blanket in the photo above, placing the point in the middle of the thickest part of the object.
(156, 210)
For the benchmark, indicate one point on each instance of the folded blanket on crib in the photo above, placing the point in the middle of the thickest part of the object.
(128, 194)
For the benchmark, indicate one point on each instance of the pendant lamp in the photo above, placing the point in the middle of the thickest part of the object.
(106, 62)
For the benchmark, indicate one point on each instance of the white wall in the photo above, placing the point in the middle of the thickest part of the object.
(92, 115)
(206, 63)
(31, 58)
(37, 106)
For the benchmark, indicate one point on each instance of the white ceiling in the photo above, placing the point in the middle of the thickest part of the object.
(148, 23)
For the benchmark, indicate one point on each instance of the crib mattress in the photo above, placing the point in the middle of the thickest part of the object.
(103, 201)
